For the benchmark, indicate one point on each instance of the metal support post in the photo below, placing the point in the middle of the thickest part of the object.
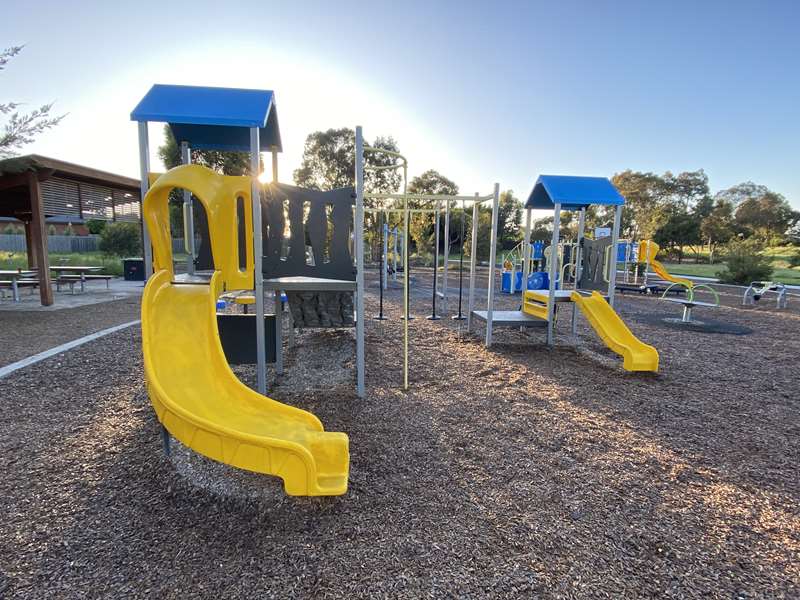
(188, 214)
(359, 243)
(473, 263)
(144, 173)
(258, 274)
(612, 276)
(492, 259)
(553, 273)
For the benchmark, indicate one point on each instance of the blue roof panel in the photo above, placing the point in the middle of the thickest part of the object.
(572, 192)
(210, 117)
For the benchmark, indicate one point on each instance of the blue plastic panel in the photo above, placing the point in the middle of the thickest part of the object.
(573, 193)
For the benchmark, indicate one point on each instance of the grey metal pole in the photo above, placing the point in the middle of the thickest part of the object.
(436, 220)
(553, 273)
(258, 274)
(578, 265)
(144, 173)
(406, 311)
(274, 164)
(612, 276)
(473, 262)
(526, 253)
(385, 261)
(492, 259)
(359, 242)
(445, 295)
(188, 214)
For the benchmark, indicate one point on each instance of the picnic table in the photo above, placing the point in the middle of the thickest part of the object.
(79, 271)
(14, 276)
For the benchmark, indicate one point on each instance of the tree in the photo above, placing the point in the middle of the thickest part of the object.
(508, 220)
(680, 229)
(22, 128)
(718, 226)
(741, 192)
(769, 217)
(646, 203)
(329, 162)
(421, 224)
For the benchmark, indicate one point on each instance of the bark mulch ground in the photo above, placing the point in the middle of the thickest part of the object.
(516, 471)
(23, 334)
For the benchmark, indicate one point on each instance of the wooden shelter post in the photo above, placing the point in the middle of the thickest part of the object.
(38, 242)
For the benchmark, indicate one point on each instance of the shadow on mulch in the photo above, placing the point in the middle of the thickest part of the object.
(703, 325)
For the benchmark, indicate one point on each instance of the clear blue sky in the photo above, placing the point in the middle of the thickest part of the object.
(498, 92)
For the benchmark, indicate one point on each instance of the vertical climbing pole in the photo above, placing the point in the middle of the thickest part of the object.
(578, 264)
(258, 274)
(358, 226)
(433, 316)
(144, 173)
(552, 268)
(492, 259)
(382, 266)
(526, 253)
(473, 262)
(460, 316)
(445, 304)
(188, 214)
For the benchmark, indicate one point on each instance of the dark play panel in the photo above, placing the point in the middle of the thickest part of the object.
(238, 336)
(702, 325)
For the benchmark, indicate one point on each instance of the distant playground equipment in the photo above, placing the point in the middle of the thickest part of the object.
(758, 289)
(196, 396)
(580, 274)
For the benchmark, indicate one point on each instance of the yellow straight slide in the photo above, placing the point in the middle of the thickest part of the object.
(637, 356)
(649, 249)
(196, 396)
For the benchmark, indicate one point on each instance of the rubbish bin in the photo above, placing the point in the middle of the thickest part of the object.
(133, 269)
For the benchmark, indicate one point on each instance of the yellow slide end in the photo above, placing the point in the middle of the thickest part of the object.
(637, 356)
(649, 249)
(201, 403)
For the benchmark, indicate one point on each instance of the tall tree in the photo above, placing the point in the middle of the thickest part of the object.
(508, 220)
(422, 224)
(741, 192)
(718, 226)
(768, 217)
(329, 162)
(646, 203)
(22, 128)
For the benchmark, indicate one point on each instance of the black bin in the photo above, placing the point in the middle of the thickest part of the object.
(133, 269)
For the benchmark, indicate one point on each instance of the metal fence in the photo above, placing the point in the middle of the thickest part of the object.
(63, 244)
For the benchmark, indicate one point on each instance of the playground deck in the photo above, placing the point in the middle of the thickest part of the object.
(512, 472)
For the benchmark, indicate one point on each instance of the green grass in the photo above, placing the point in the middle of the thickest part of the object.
(111, 265)
(782, 273)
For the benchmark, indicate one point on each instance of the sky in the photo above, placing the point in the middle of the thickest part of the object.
(483, 92)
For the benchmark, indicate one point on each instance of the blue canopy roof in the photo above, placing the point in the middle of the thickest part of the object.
(212, 118)
(573, 193)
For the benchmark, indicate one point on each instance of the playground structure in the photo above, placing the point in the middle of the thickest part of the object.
(197, 397)
(758, 289)
(586, 266)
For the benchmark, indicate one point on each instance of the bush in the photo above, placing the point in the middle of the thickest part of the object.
(51, 230)
(68, 229)
(745, 263)
(11, 229)
(95, 226)
(121, 239)
(794, 260)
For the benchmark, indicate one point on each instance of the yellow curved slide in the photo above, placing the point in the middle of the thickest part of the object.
(195, 394)
(648, 249)
(637, 356)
